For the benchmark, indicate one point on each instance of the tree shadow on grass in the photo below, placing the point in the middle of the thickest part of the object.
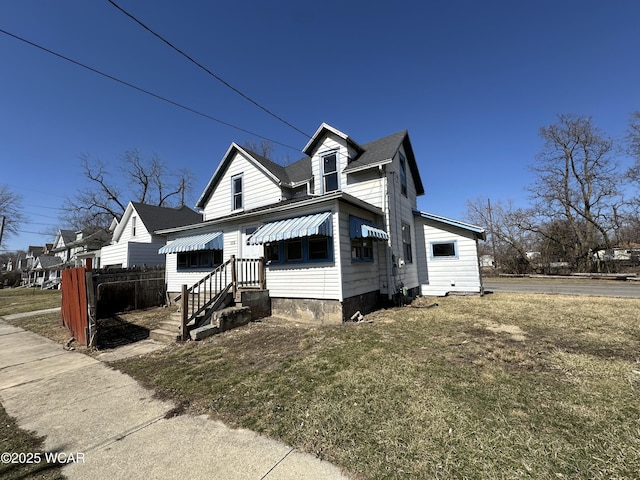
(115, 332)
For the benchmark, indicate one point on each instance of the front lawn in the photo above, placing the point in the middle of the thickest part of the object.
(503, 386)
(20, 300)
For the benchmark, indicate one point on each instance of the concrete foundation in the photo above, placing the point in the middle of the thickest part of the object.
(310, 310)
(258, 302)
(365, 303)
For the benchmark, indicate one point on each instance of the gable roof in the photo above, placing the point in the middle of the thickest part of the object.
(67, 236)
(321, 132)
(158, 218)
(372, 154)
(273, 170)
(382, 151)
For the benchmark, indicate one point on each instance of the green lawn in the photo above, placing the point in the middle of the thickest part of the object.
(503, 386)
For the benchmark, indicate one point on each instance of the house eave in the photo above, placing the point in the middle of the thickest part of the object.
(276, 208)
(478, 231)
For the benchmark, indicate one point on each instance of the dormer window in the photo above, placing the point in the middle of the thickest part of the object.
(236, 192)
(330, 172)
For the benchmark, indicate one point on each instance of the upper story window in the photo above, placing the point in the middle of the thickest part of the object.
(403, 174)
(330, 172)
(133, 226)
(236, 192)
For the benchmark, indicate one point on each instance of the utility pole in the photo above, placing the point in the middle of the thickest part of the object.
(493, 237)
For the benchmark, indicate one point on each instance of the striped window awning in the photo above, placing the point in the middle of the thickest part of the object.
(360, 228)
(206, 241)
(316, 224)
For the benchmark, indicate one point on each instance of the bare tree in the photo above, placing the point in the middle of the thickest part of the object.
(106, 195)
(508, 235)
(265, 148)
(11, 210)
(576, 184)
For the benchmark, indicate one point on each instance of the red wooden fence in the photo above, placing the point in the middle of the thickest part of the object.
(74, 303)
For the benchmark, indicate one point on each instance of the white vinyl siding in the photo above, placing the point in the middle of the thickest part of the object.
(258, 189)
(330, 145)
(359, 277)
(440, 275)
(366, 185)
(318, 280)
(130, 254)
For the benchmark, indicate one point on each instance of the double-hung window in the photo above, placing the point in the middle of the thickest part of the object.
(406, 243)
(330, 172)
(361, 250)
(236, 192)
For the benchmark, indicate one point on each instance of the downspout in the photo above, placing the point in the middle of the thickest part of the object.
(387, 221)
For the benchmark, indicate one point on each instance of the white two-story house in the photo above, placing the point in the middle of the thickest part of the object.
(339, 229)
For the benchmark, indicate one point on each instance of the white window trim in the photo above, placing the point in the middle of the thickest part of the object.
(448, 257)
(233, 192)
(337, 172)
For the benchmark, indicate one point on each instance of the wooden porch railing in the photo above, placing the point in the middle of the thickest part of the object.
(208, 293)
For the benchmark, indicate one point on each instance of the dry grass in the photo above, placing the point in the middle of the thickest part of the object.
(19, 300)
(503, 386)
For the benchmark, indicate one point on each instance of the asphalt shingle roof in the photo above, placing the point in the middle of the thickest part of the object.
(159, 218)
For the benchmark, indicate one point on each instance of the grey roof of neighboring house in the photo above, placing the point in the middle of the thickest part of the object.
(47, 261)
(68, 236)
(159, 218)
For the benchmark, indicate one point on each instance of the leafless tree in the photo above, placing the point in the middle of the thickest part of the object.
(11, 210)
(577, 184)
(508, 235)
(110, 188)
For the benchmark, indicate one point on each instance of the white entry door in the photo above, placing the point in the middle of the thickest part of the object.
(249, 251)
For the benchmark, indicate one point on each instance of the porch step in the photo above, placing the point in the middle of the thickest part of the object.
(164, 336)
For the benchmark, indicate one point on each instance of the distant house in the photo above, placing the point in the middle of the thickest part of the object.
(134, 242)
(41, 272)
(339, 229)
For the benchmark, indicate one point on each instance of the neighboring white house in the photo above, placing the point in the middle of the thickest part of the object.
(134, 242)
(339, 229)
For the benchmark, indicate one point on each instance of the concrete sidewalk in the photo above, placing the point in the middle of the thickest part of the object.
(82, 406)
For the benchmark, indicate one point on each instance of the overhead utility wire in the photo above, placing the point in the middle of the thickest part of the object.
(159, 97)
(195, 62)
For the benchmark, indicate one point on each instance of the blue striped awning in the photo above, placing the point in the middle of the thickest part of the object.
(206, 241)
(360, 228)
(316, 224)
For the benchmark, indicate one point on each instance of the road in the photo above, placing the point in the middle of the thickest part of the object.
(600, 288)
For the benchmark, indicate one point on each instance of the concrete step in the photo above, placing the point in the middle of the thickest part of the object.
(165, 336)
(169, 325)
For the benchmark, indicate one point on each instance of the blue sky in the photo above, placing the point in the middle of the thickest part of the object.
(471, 81)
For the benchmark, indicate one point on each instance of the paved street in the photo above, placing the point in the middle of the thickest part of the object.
(601, 288)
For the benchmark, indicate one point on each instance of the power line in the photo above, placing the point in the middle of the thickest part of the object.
(225, 83)
(159, 97)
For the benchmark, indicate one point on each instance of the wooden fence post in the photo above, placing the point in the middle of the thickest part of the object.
(184, 306)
